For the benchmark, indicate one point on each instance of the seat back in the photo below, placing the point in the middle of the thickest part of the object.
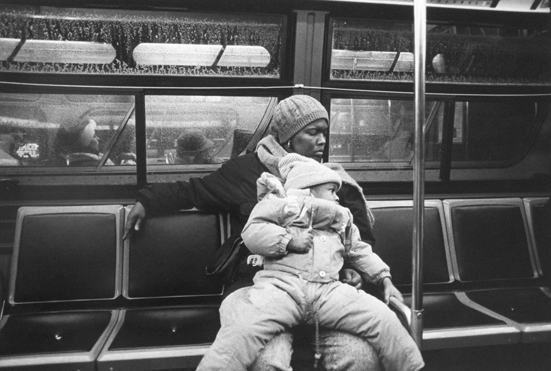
(168, 256)
(393, 232)
(489, 239)
(538, 211)
(66, 253)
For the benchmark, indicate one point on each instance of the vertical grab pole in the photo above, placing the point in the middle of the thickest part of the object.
(420, 41)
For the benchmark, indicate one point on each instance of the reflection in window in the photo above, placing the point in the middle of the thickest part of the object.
(491, 133)
(136, 42)
(371, 130)
(200, 129)
(61, 130)
(364, 50)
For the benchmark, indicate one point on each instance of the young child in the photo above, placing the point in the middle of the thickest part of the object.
(305, 237)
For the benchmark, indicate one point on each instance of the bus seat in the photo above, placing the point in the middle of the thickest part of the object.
(394, 235)
(393, 232)
(489, 240)
(528, 306)
(168, 257)
(492, 250)
(172, 316)
(69, 340)
(66, 259)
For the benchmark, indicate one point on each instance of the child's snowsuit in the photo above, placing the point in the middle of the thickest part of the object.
(298, 288)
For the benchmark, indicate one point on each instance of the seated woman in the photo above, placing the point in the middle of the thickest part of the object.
(299, 125)
(77, 144)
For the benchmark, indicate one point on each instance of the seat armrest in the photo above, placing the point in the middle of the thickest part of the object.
(402, 311)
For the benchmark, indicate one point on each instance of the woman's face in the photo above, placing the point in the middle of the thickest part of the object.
(310, 141)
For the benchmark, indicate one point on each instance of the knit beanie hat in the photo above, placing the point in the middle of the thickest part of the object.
(300, 172)
(294, 113)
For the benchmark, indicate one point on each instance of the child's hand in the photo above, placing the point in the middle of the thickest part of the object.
(390, 290)
(351, 277)
(302, 242)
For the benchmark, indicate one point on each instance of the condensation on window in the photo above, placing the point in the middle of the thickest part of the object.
(183, 130)
(95, 41)
(66, 130)
(368, 50)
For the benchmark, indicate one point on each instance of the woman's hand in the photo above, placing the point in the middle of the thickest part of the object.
(390, 290)
(302, 242)
(351, 277)
(135, 220)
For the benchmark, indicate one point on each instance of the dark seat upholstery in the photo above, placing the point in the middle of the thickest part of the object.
(530, 306)
(63, 257)
(66, 256)
(167, 326)
(490, 241)
(168, 257)
(394, 233)
(493, 249)
(166, 261)
(53, 332)
(160, 338)
(448, 322)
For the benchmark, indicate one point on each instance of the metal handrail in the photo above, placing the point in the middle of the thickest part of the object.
(420, 26)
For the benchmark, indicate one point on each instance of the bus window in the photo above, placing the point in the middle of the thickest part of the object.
(375, 131)
(493, 132)
(65, 130)
(96, 41)
(489, 133)
(368, 50)
(200, 129)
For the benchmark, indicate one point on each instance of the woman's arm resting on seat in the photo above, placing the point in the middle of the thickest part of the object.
(135, 219)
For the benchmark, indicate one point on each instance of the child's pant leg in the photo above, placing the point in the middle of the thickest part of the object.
(344, 308)
(250, 317)
(277, 354)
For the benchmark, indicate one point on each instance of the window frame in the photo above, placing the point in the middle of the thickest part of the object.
(445, 165)
(172, 81)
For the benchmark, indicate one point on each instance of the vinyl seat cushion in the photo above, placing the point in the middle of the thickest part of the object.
(164, 327)
(52, 332)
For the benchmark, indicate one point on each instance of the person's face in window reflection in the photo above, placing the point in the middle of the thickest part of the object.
(310, 141)
(193, 147)
(88, 138)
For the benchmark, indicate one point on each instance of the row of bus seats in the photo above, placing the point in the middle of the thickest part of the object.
(485, 268)
(80, 298)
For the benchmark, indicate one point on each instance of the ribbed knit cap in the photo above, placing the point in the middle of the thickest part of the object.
(300, 172)
(291, 115)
